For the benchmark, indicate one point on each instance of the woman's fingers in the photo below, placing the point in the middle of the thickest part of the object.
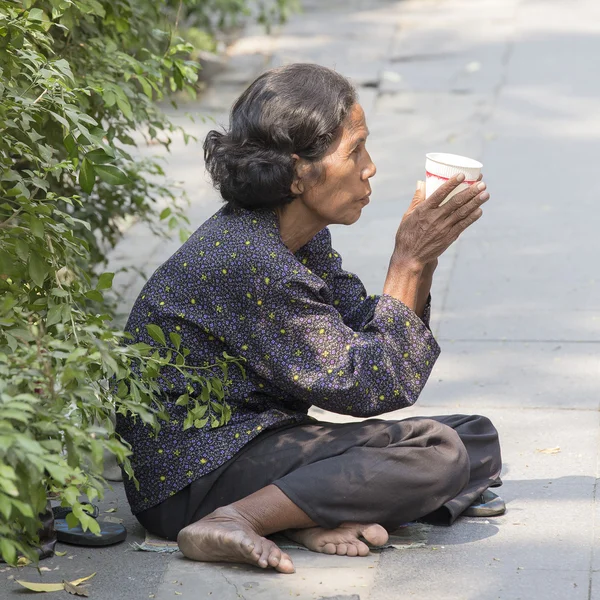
(462, 212)
(442, 192)
(460, 226)
(462, 198)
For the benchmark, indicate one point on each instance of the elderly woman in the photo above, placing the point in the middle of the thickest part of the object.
(260, 280)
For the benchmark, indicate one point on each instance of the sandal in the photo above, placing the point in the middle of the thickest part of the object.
(110, 533)
(487, 505)
(61, 512)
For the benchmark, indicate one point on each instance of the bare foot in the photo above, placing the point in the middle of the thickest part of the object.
(225, 535)
(342, 541)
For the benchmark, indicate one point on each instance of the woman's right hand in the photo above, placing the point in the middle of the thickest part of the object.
(428, 229)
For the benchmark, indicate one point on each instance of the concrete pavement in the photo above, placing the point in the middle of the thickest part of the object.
(516, 300)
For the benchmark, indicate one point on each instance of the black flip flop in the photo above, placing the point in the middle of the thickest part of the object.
(61, 512)
(110, 533)
(487, 505)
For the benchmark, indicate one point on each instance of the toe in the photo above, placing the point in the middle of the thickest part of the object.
(374, 534)
(363, 549)
(274, 557)
(341, 549)
(263, 561)
(352, 550)
(285, 564)
(252, 549)
(329, 548)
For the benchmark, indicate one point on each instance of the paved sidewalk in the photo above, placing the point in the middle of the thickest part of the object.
(516, 300)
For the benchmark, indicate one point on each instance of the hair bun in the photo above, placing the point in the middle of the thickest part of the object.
(248, 175)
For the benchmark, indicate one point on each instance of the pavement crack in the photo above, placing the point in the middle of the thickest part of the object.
(237, 589)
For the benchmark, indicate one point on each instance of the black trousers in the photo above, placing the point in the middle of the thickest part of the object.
(374, 471)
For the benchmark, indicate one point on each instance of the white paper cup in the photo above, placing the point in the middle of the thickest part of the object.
(440, 167)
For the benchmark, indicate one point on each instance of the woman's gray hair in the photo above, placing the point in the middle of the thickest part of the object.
(296, 109)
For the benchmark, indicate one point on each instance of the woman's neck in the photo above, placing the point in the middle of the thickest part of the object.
(297, 225)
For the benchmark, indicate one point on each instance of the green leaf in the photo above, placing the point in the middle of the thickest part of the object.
(63, 66)
(23, 508)
(200, 411)
(156, 333)
(70, 145)
(87, 176)
(99, 157)
(60, 119)
(188, 422)
(54, 315)
(37, 227)
(70, 494)
(175, 339)
(109, 98)
(125, 107)
(94, 295)
(72, 520)
(38, 269)
(36, 14)
(111, 174)
(183, 400)
(8, 550)
(11, 341)
(5, 506)
(22, 250)
(105, 281)
(145, 86)
(200, 423)
(165, 213)
(9, 487)
(7, 471)
(141, 347)
(205, 394)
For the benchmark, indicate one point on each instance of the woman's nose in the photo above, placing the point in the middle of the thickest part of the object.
(369, 171)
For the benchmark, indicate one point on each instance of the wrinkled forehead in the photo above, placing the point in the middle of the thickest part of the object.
(354, 128)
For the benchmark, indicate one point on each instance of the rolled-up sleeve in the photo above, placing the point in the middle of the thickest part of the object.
(303, 345)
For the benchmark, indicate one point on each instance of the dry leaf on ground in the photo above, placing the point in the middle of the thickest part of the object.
(76, 590)
(80, 581)
(555, 450)
(110, 510)
(51, 587)
(111, 520)
(60, 553)
(41, 587)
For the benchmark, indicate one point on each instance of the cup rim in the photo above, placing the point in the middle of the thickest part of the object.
(454, 160)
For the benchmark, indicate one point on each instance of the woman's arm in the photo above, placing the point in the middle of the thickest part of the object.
(348, 293)
(302, 345)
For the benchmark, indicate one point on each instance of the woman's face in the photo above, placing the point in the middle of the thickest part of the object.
(343, 189)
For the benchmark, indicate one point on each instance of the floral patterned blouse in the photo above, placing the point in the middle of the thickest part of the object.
(308, 332)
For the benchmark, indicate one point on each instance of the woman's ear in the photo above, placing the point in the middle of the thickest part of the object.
(301, 169)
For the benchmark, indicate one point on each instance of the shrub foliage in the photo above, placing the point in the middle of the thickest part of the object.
(79, 81)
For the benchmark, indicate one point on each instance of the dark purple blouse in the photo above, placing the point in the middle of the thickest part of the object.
(308, 331)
